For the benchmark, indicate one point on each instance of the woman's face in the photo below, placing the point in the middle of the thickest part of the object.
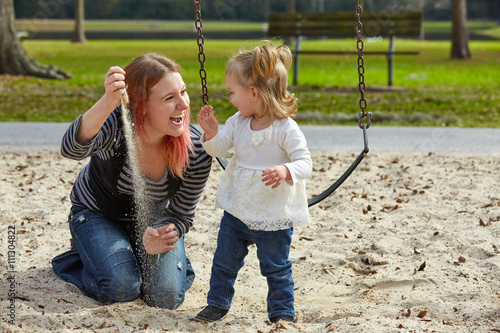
(167, 107)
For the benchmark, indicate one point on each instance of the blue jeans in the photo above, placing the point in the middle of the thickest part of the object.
(109, 263)
(273, 248)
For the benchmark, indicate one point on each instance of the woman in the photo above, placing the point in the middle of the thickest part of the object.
(117, 256)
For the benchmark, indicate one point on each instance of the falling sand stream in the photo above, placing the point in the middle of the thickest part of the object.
(145, 209)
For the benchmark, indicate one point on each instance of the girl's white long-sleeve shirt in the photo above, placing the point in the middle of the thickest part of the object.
(241, 191)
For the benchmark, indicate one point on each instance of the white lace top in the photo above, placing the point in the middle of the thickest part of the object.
(241, 191)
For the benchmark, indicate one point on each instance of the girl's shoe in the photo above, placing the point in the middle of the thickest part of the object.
(282, 317)
(210, 314)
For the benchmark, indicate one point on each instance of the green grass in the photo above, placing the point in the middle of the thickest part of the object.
(490, 29)
(430, 89)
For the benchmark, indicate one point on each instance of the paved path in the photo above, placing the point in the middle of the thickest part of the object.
(320, 138)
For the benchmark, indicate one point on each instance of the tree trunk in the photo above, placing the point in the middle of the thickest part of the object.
(13, 57)
(460, 35)
(79, 31)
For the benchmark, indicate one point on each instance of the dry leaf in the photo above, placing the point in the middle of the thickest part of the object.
(422, 314)
(421, 268)
(101, 326)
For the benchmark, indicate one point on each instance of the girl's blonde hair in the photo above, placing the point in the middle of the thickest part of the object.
(266, 68)
(142, 74)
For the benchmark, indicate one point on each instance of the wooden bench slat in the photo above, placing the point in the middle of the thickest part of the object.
(343, 24)
(345, 32)
(379, 16)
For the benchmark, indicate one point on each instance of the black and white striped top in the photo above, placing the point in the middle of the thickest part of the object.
(105, 184)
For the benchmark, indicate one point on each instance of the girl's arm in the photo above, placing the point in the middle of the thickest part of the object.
(293, 141)
(208, 122)
(223, 140)
(276, 175)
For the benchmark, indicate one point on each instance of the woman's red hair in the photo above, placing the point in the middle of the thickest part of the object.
(142, 74)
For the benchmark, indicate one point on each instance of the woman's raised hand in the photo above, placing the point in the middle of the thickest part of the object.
(208, 122)
(114, 84)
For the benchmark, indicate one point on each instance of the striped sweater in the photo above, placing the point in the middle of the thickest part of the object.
(105, 184)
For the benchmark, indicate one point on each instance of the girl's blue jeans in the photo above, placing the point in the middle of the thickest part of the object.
(109, 263)
(273, 248)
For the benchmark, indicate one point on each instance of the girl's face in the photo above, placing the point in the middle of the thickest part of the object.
(244, 99)
(166, 108)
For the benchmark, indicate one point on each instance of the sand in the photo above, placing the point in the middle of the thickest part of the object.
(409, 243)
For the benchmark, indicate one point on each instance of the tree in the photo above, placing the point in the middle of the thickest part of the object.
(13, 57)
(460, 36)
(79, 30)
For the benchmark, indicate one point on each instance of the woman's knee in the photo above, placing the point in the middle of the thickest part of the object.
(169, 299)
(120, 287)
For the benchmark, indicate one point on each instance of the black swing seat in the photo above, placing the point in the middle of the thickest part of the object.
(320, 197)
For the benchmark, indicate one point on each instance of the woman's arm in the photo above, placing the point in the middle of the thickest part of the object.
(182, 206)
(81, 139)
(94, 118)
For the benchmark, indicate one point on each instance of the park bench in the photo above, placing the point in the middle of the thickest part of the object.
(320, 25)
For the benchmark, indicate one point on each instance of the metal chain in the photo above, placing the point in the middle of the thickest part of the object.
(364, 117)
(201, 54)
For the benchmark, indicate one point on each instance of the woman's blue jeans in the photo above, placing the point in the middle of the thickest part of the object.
(273, 248)
(109, 263)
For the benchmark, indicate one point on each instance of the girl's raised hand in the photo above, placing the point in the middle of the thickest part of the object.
(207, 121)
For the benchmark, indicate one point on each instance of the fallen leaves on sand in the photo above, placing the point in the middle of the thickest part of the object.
(422, 314)
(421, 268)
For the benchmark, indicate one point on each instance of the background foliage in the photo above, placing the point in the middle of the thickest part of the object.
(250, 10)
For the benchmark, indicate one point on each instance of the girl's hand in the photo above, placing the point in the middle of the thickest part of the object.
(276, 175)
(160, 240)
(208, 122)
(114, 84)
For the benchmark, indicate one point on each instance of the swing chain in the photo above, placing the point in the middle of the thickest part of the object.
(364, 117)
(201, 54)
